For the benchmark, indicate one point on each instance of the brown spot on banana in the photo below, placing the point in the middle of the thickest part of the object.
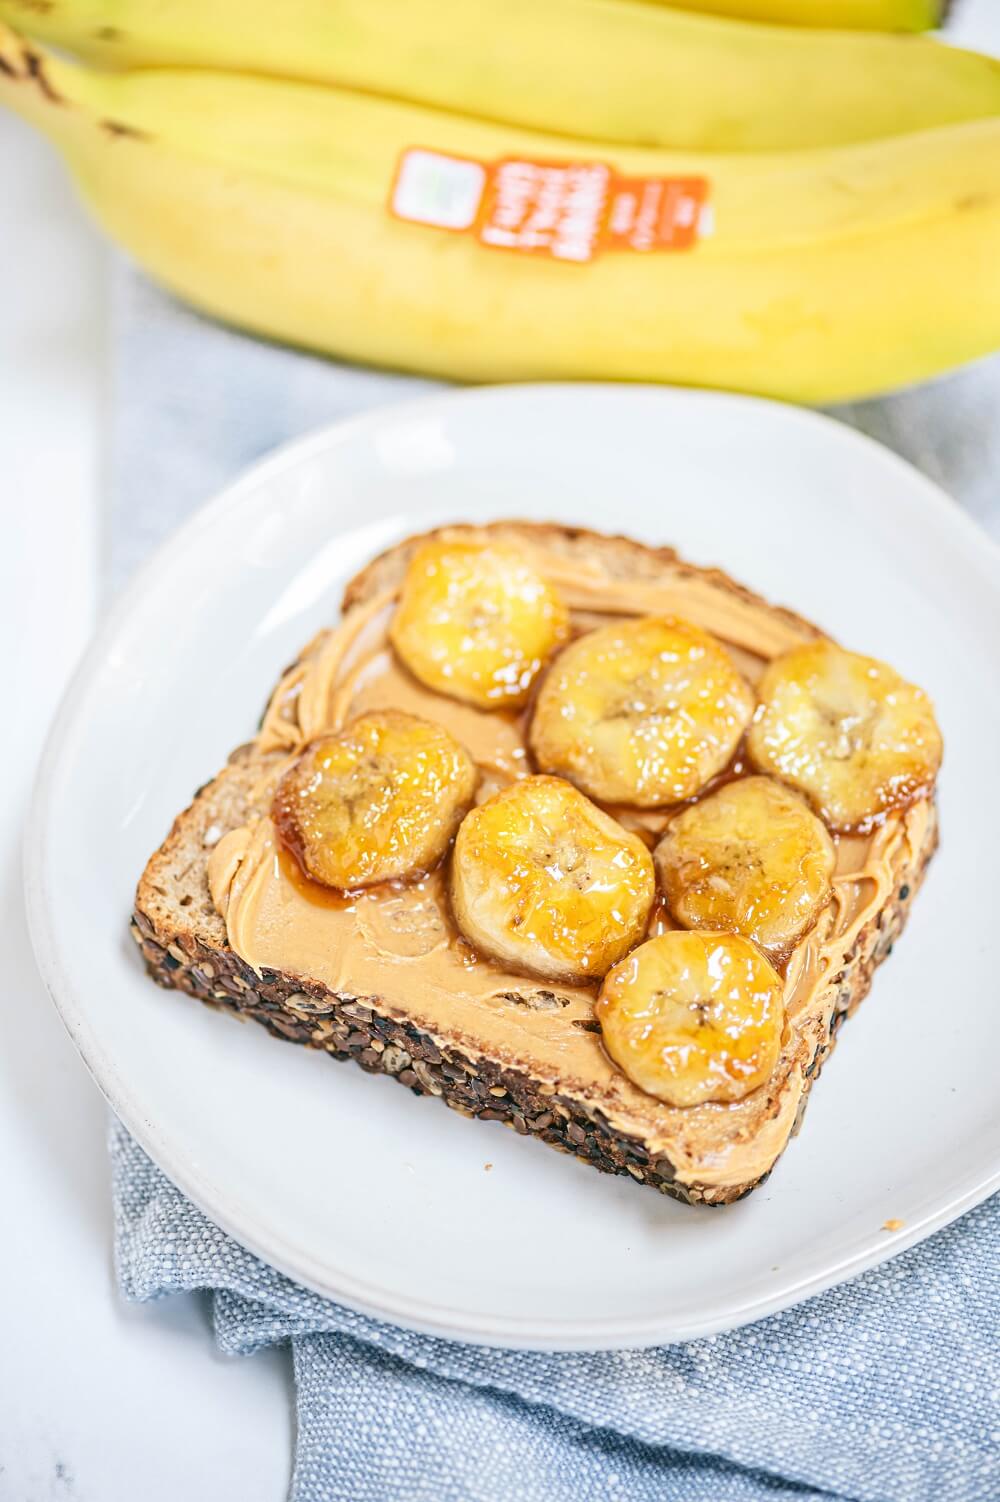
(36, 70)
(19, 62)
(117, 128)
(970, 201)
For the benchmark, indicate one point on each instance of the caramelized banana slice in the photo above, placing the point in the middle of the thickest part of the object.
(546, 883)
(847, 731)
(377, 801)
(642, 712)
(693, 1017)
(751, 858)
(476, 621)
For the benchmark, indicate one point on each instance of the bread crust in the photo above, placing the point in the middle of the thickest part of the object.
(183, 942)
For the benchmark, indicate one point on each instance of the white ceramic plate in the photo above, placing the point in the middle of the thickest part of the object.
(351, 1184)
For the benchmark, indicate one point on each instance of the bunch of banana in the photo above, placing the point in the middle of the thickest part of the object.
(355, 225)
(605, 70)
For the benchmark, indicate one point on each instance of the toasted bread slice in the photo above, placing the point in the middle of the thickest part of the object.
(390, 987)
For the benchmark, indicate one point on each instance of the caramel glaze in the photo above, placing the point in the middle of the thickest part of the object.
(399, 941)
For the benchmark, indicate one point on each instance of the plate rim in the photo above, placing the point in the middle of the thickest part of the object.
(238, 1219)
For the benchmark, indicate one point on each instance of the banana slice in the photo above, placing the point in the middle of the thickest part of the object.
(693, 1017)
(546, 883)
(642, 712)
(847, 731)
(476, 621)
(751, 858)
(378, 801)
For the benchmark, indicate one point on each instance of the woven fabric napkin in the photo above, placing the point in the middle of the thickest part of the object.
(884, 1390)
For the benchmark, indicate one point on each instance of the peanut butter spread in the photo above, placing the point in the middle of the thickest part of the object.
(399, 943)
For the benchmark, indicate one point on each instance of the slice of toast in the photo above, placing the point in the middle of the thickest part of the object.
(411, 1003)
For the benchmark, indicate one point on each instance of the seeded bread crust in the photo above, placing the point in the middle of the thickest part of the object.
(183, 939)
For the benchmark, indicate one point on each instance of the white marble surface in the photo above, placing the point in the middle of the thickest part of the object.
(99, 1402)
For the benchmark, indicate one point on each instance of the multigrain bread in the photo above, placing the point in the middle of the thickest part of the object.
(535, 1060)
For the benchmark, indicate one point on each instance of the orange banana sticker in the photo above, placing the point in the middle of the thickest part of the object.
(571, 211)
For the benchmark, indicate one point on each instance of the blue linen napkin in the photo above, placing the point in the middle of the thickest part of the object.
(877, 1391)
(883, 1390)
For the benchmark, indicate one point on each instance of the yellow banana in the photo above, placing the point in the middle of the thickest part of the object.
(548, 883)
(476, 622)
(611, 70)
(861, 15)
(644, 712)
(378, 801)
(693, 1017)
(751, 859)
(847, 731)
(828, 275)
